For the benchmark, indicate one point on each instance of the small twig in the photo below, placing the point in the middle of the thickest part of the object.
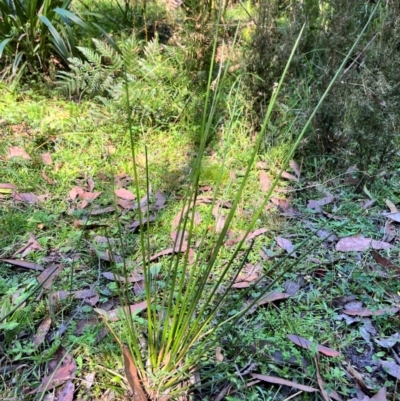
(359, 55)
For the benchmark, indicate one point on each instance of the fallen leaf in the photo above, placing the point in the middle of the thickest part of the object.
(136, 224)
(265, 181)
(31, 246)
(322, 386)
(47, 179)
(380, 395)
(42, 331)
(110, 257)
(97, 212)
(48, 275)
(64, 371)
(90, 184)
(7, 186)
(316, 204)
(384, 262)
(295, 167)
(22, 263)
(393, 216)
(340, 302)
(115, 314)
(368, 203)
(122, 180)
(160, 200)
(388, 342)
(90, 196)
(170, 251)
(133, 278)
(67, 393)
(357, 376)
(286, 245)
(283, 382)
(358, 243)
(132, 375)
(75, 192)
(306, 344)
(390, 232)
(15, 151)
(25, 197)
(391, 206)
(125, 194)
(391, 368)
(82, 294)
(368, 312)
(46, 159)
(272, 297)
(289, 176)
(88, 380)
(180, 240)
(291, 287)
(125, 204)
(218, 354)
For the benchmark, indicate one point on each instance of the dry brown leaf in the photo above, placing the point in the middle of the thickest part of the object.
(114, 314)
(391, 206)
(15, 151)
(125, 204)
(125, 194)
(90, 196)
(390, 231)
(67, 393)
(393, 216)
(47, 178)
(283, 382)
(272, 297)
(369, 312)
(286, 245)
(75, 192)
(295, 167)
(31, 246)
(385, 262)
(133, 278)
(90, 184)
(317, 204)
(289, 176)
(358, 243)
(25, 197)
(265, 181)
(46, 159)
(97, 212)
(82, 294)
(136, 224)
(218, 354)
(110, 257)
(42, 331)
(64, 372)
(132, 376)
(391, 368)
(48, 275)
(22, 263)
(160, 200)
(306, 344)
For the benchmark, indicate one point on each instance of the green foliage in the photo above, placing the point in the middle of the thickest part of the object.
(158, 83)
(32, 31)
(358, 123)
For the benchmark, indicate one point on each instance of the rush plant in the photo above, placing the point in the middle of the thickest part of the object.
(187, 312)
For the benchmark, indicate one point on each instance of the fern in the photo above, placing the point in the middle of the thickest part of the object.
(147, 67)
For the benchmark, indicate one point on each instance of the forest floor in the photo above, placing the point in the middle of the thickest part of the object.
(329, 326)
